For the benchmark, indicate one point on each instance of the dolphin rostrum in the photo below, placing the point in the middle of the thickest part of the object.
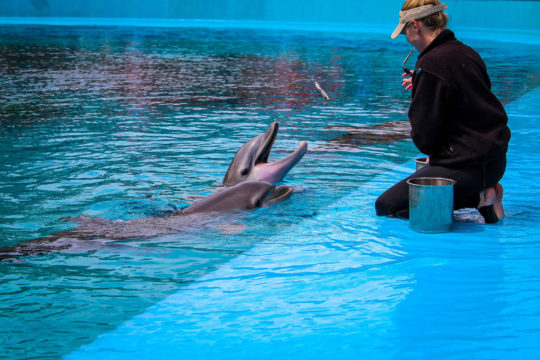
(251, 160)
(93, 233)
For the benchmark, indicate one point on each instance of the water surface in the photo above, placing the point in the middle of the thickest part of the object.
(122, 122)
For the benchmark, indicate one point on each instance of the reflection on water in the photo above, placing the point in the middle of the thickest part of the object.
(123, 123)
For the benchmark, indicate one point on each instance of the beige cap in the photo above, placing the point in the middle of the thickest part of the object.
(415, 14)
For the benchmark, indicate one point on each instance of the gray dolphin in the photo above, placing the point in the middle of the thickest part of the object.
(384, 133)
(251, 160)
(94, 233)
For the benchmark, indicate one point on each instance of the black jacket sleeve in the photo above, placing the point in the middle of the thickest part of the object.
(427, 112)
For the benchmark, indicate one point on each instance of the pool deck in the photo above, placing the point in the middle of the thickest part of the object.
(343, 291)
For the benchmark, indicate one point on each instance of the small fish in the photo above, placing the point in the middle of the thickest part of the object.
(322, 91)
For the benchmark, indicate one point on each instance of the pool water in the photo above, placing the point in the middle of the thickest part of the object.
(120, 122)
(347, 284)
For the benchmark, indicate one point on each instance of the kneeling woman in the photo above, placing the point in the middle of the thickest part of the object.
(456, 120)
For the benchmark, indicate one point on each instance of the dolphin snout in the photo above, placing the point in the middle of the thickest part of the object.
(275, 171)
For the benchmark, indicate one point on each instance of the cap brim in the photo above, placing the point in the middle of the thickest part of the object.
(397, 31)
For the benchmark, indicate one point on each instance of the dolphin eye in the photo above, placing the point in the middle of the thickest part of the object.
(244, 172)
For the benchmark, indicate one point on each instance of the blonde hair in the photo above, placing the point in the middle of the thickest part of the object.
(435, 21)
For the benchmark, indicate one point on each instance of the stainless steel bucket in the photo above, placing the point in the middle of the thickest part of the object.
(431, 203)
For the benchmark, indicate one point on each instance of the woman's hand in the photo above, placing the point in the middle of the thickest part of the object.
(407, 81)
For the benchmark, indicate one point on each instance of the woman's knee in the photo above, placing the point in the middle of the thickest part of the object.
(380, 207)
(383, 205)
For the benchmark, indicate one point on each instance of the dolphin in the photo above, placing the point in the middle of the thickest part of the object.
(384, 133)
(94, 233)
(371, 137)
(251, 160)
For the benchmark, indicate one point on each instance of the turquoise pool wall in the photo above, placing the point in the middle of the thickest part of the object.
(523, 16)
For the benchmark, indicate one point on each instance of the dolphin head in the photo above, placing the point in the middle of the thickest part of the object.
(251, 160)
(246, 195)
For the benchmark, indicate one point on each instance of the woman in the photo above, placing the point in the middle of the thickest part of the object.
(456, 120)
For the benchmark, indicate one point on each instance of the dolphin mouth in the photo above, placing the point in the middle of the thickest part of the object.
(293, 157)
(268, 140)
(280, 193)
(251, 161)
(275, 171)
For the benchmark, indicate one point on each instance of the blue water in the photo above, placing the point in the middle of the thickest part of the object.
(349, 285)
(131, 122)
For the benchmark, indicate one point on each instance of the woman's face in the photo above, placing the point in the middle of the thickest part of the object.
(412, 33)
(409, 32)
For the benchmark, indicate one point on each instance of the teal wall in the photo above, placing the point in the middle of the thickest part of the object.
(512, 15)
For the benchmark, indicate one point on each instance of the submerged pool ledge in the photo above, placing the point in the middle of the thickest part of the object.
(505, 35)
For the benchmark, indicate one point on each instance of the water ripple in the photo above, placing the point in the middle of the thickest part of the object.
(129, 122)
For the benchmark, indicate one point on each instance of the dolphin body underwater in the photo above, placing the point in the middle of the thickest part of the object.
(250, 179)
(353, 138)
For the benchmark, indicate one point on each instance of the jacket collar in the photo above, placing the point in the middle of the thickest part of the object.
(444, 36)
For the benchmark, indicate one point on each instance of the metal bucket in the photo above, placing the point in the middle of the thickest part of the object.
(421, 163)
(431, 203)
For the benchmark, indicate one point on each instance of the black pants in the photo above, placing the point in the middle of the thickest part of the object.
(470, 181)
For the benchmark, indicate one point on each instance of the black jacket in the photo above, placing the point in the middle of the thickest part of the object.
(455, 117)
